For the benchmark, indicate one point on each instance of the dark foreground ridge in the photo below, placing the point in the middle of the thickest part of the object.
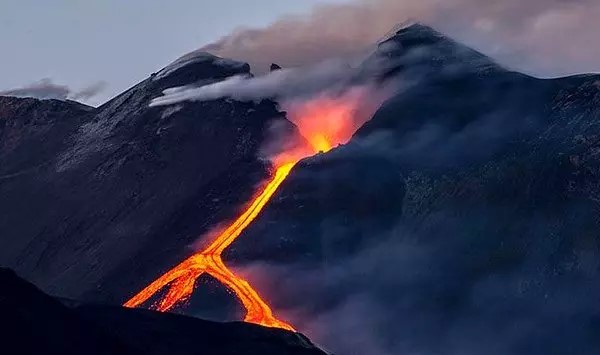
(35, 323)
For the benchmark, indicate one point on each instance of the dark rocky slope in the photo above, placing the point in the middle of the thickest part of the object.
(30, 130)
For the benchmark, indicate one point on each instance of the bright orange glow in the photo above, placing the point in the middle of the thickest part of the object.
(182, 278)
(327, 120)
(323, 123)
(320, 143)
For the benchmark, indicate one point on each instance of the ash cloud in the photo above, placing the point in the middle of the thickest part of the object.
(543, 37)
(46, 89)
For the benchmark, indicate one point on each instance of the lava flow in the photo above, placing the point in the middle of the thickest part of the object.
(182, 278)
(323, 122)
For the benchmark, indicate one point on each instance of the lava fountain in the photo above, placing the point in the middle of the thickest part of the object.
(323, 122)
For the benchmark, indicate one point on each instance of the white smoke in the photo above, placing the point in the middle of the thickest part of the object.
(285, 84)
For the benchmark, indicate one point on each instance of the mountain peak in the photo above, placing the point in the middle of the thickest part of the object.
(413, 35)
(197, 57)
(413, 46)
(196, 66)
(410, 26)
(417, 27)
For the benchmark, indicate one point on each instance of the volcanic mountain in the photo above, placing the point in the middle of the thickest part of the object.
(461, 218)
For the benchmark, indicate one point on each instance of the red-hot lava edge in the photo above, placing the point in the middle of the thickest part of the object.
(323, 122)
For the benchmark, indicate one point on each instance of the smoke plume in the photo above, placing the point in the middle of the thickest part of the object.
(543, 37)
(283, 83)
(43, 89)
(46, 89)
(88, 92)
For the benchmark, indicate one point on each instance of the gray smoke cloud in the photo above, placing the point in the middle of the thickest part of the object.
(291, 82)
(88, 92)
(46, 89)
(543, 37)
(331, 76)
(43, 89)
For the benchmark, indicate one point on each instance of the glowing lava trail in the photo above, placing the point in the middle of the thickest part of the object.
(182, 278)
(323, 122)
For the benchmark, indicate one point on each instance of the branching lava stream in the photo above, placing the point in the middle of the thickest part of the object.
(323, 122)
(182, 278)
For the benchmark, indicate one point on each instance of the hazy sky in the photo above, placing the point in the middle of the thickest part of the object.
(81, 42)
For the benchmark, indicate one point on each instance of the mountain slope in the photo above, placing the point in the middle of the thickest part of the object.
(127, 188)
(30, 129)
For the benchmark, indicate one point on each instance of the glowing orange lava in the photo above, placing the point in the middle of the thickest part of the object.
(182, 278)
(323, 122)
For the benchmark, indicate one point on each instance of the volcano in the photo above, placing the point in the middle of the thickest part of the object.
(464, 210)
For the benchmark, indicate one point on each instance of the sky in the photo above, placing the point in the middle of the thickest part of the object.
(81, 43)
(93, 50)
